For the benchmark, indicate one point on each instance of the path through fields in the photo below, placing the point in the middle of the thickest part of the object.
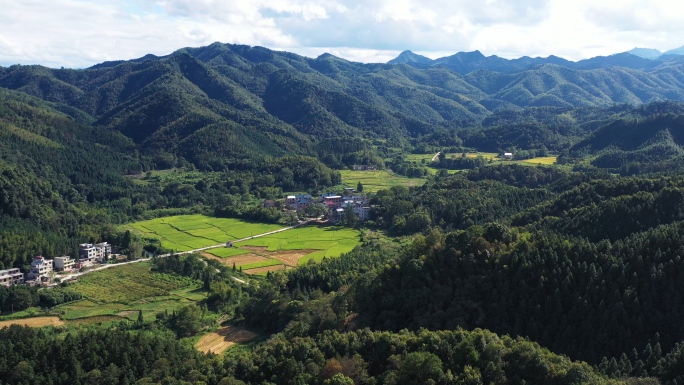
(102, 267)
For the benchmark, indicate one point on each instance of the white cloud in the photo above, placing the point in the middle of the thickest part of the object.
(79, 33)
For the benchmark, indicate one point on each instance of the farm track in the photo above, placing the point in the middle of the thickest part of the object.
(102, 267)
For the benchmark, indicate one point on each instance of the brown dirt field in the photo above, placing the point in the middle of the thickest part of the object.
(35, 322)
(288, 257)
(96, 319)
(239, 260)
(127, 313)
(266, 269)
(221, 340)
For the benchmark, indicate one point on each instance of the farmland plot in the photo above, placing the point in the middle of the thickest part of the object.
(225, 337)
(189, 232)
(35, 322)
(121, 292)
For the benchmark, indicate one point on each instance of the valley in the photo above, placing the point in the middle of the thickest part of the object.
(463, 220)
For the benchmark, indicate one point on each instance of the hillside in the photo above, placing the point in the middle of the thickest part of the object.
(229, 90)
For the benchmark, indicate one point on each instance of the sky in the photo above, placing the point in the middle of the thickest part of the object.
(80, 33)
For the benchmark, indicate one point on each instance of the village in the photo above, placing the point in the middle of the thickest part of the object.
(332, 206)
(43, 271)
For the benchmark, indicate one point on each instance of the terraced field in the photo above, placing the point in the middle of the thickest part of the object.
(189, 232)
(121, 292)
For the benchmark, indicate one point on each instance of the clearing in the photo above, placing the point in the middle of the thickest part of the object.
(34, 322)
(373, 181)
(288, 257)
(222, 339)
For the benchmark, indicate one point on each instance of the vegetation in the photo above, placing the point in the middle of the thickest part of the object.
(457, 278)
(189, 232)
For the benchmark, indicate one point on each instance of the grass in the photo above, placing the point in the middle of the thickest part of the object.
(125, 290)
(377, 180)
(189, 232)
(329, 242)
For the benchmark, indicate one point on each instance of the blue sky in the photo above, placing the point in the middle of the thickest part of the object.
(80, 33)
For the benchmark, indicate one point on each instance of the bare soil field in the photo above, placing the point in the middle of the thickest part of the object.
(221, 340)
(35, 322)
(242, 259)
(261, 270)
(288, 257)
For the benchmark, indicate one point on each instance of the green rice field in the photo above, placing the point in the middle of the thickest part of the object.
(189, 232)
(377, 180)
(315, 242)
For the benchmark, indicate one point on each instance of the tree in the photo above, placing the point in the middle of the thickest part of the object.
(188, 320)
(141, 320)
(349, 218)
(359, 187)
(315, 210)
(339, 379)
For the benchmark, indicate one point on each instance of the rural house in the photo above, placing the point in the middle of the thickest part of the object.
(40, 268)
(11, 277)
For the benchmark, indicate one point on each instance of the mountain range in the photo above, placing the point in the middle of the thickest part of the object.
(194, 101)
(465, 62)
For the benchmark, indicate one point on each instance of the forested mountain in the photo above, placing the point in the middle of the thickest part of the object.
(296, 100)
(465, 62)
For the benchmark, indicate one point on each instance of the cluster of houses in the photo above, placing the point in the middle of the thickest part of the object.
(42, 269)
(335, 204)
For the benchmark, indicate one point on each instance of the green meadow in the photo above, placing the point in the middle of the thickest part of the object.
(373, 181)
(189, 232)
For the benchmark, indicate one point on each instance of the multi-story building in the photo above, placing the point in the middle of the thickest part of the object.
(89, 253)
(64, 263)
(102, 251)
(86, 252)
(40, 267)
(298, 202)
(11, 277)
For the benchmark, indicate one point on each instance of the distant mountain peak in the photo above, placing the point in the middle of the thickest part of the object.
(410, 57)
(646, 53)
(676, 51)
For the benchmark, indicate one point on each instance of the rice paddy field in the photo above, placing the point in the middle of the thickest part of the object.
(377, 180)
(547, 160)
(288, 248)
(121, 292)
(189, 232)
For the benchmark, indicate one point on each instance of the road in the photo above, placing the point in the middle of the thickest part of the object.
(435, 157)
(102, 267)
